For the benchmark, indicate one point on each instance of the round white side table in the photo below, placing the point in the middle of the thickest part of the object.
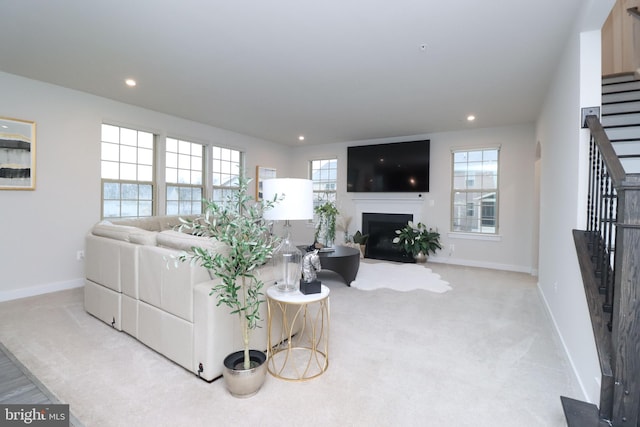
(300, 351)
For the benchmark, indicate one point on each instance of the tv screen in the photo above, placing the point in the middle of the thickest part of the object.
(393, 168)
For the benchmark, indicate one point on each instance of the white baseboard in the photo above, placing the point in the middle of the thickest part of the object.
(40, 289)
(564, 345)
(482, 264)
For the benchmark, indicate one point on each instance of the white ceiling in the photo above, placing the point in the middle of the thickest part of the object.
(333, 70)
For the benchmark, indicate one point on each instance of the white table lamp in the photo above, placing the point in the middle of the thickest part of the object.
(296, 204)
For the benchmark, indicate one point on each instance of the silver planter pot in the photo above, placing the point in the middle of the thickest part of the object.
(420, 258)
(244, 382)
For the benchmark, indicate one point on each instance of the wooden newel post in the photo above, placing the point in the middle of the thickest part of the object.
(626, 315)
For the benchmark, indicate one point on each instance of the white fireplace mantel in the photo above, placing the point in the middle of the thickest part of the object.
(384, 204)
(417, 197)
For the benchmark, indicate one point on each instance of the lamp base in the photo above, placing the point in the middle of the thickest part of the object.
(286, 287)
(312, 287)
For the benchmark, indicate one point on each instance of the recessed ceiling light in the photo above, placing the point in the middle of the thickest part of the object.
(130, 82)
(471, 118)
(301, 138)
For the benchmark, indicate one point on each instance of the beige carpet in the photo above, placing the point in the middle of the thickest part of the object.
(482, 355)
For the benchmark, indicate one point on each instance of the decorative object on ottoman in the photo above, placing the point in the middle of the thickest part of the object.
(238, 223)
(417, 240)
(326, 226)
(309, 284)
(296, 204)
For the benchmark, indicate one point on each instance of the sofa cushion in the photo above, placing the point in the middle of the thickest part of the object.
(143, 237)
(166, 286)
(154, 223)
(184, 242)
(113, 231)
(125, 233)
(151, 223)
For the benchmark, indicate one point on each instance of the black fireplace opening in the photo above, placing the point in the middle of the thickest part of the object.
(381, 228)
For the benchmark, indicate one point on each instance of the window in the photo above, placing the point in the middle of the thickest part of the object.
(225, 171)
(324, 176)
(184, 177)
(474, 191)
(470, 209)
(127, 172)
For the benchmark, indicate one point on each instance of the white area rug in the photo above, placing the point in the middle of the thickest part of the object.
(399, 277)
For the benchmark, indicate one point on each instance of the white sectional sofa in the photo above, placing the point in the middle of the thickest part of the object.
(133, 285)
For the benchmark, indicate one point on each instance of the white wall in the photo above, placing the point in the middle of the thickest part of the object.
(514, 250)
(42, 230)
(576, 84)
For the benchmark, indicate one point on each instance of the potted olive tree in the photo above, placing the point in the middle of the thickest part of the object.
(238, 223)
(417, 240)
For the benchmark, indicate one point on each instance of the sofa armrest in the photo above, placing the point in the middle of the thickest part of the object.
(216, 331)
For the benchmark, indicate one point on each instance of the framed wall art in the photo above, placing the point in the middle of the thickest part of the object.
(262, 173)
(17, 154)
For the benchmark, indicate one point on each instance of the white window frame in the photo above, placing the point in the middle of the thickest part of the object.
(227, 165)
(466, 222)
(184, 177)
(217, 161)
(325, 182)
(127, 163)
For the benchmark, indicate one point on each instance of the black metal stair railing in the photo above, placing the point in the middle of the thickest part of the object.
(609, 257)
(601, 225)
(605, 175)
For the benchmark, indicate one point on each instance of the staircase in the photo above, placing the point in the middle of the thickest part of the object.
(621, 118)
(608, 252)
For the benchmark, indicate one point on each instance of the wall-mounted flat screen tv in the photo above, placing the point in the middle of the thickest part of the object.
(394, 168)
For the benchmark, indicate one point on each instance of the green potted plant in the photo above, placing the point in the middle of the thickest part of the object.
(326, 226)
(417, 240)
(361, 240)
(238, 223)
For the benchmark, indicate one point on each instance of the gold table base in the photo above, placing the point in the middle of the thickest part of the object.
(301, 351)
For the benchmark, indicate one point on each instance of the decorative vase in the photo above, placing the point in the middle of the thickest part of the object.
(242, 382)
(324, 235)
(420, 257)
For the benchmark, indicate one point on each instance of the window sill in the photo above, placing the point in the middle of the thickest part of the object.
(475, 236)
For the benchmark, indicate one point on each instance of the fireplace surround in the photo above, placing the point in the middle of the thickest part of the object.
(381, 228)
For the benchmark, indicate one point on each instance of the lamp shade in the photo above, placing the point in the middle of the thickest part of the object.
(297, 201)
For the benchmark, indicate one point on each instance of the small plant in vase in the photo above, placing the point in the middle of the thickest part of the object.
(417, 240)
(326, 226)
(361, 240)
